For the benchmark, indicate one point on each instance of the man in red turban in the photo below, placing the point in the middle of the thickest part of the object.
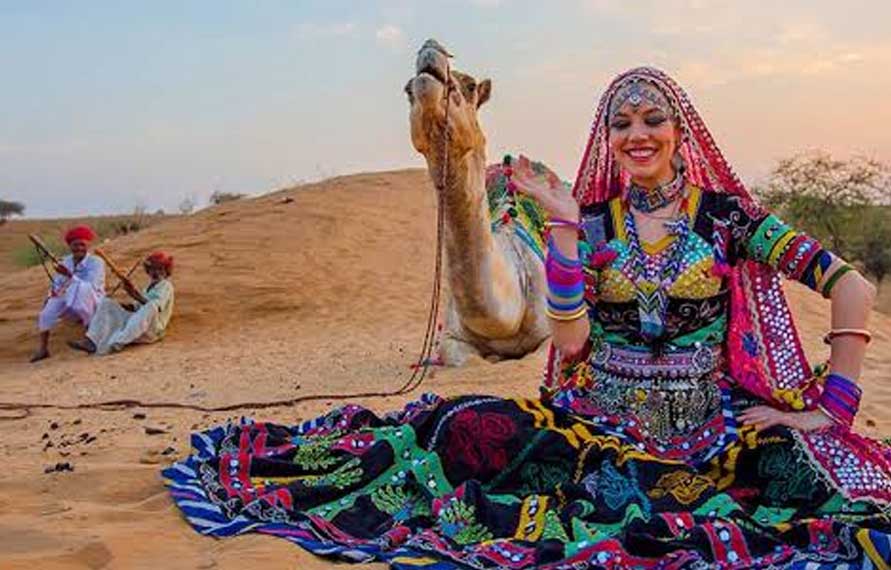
(77, 287)
(116, 325)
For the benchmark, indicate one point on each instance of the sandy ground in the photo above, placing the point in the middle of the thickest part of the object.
(317, 290)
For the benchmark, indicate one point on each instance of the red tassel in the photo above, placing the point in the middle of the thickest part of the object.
(603, 257)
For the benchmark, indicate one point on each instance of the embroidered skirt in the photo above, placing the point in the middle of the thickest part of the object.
(484, 482)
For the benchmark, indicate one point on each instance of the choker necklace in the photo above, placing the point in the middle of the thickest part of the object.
(648, 201)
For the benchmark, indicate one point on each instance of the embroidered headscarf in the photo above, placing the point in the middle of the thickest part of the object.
(764, 352)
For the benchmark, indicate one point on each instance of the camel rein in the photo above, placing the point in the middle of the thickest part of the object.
(23, 410)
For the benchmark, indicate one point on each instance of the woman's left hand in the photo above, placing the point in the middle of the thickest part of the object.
(763, 417)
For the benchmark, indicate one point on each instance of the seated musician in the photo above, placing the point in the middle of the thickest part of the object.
(116, 325)
(76, 289)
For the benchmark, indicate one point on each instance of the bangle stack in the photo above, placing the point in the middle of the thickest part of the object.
(566, 288)
(840, 399)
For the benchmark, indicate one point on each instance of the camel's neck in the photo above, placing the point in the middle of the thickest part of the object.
(482, 278)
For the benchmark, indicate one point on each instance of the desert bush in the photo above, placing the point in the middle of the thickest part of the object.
(222, 197)
(187, 206)
(26, 254)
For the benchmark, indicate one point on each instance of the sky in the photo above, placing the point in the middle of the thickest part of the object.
(108, 105)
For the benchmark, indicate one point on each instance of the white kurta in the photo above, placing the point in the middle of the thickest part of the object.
(74, 297)
(113, 327)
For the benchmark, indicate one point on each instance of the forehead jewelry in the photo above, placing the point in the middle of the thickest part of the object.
(636, 92)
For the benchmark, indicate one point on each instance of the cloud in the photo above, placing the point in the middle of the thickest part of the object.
(487, 3)
(390, 36)
(326, 30)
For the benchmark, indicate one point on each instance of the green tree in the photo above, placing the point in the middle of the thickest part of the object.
(825, 196)
(9, 209)
(873, 247)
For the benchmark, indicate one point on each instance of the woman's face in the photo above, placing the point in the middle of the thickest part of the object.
(643, 139)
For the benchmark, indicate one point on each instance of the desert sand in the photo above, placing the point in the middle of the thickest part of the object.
(321, 289)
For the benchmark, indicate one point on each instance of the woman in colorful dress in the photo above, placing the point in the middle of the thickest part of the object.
(679, 425)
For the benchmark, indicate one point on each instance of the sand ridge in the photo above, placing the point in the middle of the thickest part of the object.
(320, 289)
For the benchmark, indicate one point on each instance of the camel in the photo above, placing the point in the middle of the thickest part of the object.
(495, 300)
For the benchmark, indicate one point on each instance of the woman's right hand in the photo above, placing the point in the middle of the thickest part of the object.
(546, 188)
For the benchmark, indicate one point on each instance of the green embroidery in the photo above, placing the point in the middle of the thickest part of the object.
(457, 520)
(402, 503)
(314, 452)
(515, 462)
(632, 512)
(553, 528)
(342, 477)
(543, 477)
(505, 499)
(773, 515)
(713, 333)
(839, 507)
(583, 537)
(408, 458)
(766, 237)
(517, 211)
(721, 505)
(787, 479)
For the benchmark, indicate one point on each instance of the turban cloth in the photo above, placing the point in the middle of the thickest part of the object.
(161, 259)
(82, 233)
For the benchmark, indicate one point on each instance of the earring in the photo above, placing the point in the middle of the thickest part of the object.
(678, 162)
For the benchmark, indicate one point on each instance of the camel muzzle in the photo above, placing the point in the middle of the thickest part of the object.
(433, 60)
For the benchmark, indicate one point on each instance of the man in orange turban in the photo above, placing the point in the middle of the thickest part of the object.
(77, 287)
(114, 325)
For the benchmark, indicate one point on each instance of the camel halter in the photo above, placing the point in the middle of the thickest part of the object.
(419, 369)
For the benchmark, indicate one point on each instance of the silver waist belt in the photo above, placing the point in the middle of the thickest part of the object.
(693, 363)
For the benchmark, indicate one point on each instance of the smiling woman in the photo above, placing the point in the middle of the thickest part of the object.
(679, 426)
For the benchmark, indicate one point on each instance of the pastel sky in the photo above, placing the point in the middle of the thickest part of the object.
(107, 105)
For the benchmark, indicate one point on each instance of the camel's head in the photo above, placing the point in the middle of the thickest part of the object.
(427, 96)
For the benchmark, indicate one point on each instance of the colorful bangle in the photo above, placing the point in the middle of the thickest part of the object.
(555, 254)
(840, 399)
(552, 224)
(561, 222)
(863, 333)
(566, 286)
(833, 279)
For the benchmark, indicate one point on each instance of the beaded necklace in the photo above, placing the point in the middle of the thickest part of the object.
(652, 280)
(647, 201)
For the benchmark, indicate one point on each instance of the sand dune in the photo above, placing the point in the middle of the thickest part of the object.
(321, 289)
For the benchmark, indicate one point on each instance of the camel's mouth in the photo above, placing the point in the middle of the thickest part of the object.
(434, 71)
(433, 61)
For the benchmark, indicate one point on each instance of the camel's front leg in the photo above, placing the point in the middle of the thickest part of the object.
(455, 351)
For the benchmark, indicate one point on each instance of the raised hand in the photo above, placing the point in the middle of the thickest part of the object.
(62, 270)
(545, 188)
(763, 417)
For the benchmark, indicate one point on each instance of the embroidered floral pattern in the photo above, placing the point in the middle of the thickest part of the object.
(479, 440)
(684, 486)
